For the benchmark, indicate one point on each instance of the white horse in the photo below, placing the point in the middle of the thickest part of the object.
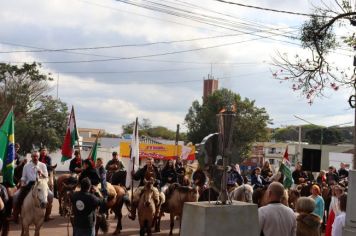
(34, 207)
(242, 193)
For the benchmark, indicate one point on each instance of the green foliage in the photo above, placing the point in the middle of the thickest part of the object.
(44, 126)
(289, 133)
(39, 119)
(324, 136)
(250, 124)
(146, 128)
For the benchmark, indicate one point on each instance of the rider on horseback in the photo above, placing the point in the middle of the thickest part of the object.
(31, 171)
(75, 166)
(148, 173)
(113, 166)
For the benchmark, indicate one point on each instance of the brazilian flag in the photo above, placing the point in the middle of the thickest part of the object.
(7, 148)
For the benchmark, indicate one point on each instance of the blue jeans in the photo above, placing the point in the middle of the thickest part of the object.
(83, 231)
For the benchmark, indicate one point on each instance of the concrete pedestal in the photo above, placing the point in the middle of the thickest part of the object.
(209, 219)
(350, 224)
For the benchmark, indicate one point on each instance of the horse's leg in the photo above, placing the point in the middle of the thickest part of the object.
(172, 223)
(118, 213)
(96, 228)
(37, 230)
(5, 227)
(142, 231)
(26, 230)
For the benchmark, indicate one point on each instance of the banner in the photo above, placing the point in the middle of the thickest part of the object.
(157, 151)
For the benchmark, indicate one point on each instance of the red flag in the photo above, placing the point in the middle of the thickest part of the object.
(285, 156)
(70, 138)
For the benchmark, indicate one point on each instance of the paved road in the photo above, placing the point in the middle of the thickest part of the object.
(59, 226)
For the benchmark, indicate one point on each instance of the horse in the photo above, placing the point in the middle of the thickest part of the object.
(34, 207)
(242, 193)
(65, 186)
(176, 196)
(146, 209)
(116, 200)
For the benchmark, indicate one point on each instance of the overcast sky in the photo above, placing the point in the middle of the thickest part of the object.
(109, 87)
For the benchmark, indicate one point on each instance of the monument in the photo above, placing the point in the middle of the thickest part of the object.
(221, 217)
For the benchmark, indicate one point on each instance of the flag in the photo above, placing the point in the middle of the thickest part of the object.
(94, 151)
(285, 170)
(134, 153)
(70, 138)
(7, 148)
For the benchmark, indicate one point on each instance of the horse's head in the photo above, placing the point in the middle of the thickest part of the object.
(40, 192)
(148, 197)
(193, 194)
(247, 190)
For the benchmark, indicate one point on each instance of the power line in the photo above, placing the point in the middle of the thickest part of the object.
(155, 55)
(118, 46)
(269, 9)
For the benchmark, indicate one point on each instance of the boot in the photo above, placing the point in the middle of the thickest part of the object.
(15, 215)
(48, 212)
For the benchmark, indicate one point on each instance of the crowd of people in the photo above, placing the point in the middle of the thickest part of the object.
(311, 215)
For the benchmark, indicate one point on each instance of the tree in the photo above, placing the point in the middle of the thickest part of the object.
(44, 126)
(323, 135)
(250, 124)
(289, 133)
(313, 74)
(21, 87)
(39, 119)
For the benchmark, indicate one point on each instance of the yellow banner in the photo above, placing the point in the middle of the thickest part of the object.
(159, 151)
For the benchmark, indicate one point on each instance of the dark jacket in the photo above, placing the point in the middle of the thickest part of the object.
(92, 174)
(234, 177)
(117, 162)
(308, 225)
(343, 173)
(84, 205)
(254, 181)
(141, 173)
(298, 174)
(168, 173)
(46, 160)
(330, 177)
(75, 164)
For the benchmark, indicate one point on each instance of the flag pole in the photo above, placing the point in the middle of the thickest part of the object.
(75, 128)
(133, 159)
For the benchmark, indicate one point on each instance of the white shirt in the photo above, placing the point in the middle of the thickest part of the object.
(277, 220)
(30, 170)
(338, 225)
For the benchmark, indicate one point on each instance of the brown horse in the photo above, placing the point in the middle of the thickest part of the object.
(176, 196)
(62, 187)
(146, 209)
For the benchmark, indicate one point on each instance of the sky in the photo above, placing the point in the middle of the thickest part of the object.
(128, 77)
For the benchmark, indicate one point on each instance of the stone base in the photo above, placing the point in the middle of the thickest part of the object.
(209, 219)
(349, 231)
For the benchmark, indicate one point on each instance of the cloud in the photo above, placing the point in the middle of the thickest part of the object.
(112, 99)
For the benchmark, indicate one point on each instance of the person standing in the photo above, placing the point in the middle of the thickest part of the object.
(334, 208)
(332, 176)
(84, 205)
(266, 170)
(299, 176)
(343, 173)
(17, 156)
(308, 223)
(275, 219)
(319, 201)
(75, 166)
(339, 222)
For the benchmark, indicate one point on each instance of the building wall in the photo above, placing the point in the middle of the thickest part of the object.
(210, 86)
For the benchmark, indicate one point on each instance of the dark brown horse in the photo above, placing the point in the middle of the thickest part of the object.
(176, 196)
